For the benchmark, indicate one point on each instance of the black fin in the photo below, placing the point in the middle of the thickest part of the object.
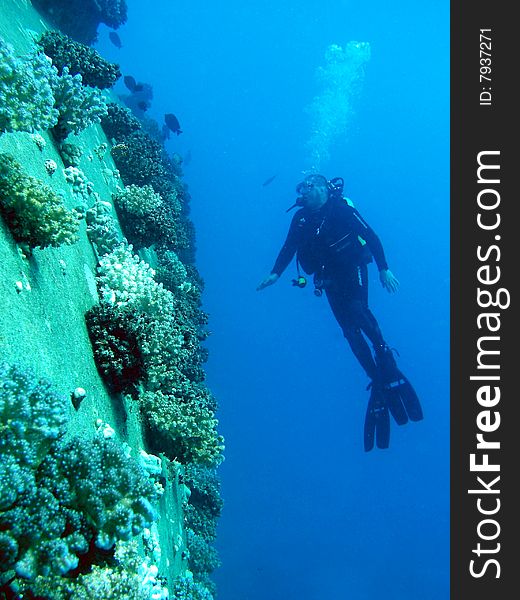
(377, 420)
(402, 400)
(410, 400)
(396, 406)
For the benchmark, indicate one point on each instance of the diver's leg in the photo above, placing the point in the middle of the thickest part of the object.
(401, 399)
(364, 316)
(341, 304)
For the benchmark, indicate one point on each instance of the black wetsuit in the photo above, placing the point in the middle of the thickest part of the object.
(327, 243)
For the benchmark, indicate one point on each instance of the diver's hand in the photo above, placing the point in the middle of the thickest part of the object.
(269, 280)
(388, 281)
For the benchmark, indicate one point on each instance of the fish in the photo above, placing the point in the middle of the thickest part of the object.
(115, 39)
(130, 83)
(172, 123)
(269, 180)
(143, 105)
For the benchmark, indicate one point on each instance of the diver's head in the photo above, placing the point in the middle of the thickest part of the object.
(312, 191)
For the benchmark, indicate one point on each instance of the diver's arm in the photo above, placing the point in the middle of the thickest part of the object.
(289, 247)
(285, 255)
(363, 229)
(388, 281)
(269, 280)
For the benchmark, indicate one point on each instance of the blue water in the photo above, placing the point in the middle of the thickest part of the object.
(308, 515)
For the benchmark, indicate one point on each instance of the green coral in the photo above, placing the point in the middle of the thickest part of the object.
(70, 154)
(184, 423)
(142, 324)
(35, 214)
(26, 91)
(185, 588)
(118, 580)
(32, 416)
(78, 106)
(65, 502)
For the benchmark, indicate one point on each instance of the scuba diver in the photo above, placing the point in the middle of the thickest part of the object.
(333, 242)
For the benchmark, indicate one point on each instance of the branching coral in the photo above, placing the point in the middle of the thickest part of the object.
(35, 214)
(170, 271)
(119, 580)
(32, 416)
(205, 503)
(78, 106)
(119, 122)
(183, 424)
(139, 159)
(138, 201)
(165, 345)
(95, 71)
(203, 558)
(144, 216)
(101, 228)
(95, 478)
(63, 501)
(115, 341)
(127, 283)
(185, 588)
(34, 97)
(26, 91)
(81, 188)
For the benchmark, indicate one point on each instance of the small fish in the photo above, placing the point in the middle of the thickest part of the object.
(130, 82)
(143, 105)
(269, 180)
(115, 39)
(172, 123)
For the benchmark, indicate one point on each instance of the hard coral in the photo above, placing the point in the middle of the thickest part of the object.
(26, 96)
(139, 158)
(183, 425)
(95, 71)
(78, 106)
(35, 214)
(115, 341)
(185, 588)
(81, 18)
(101, 228)
(63, 502)
(143, 216)
(32, 416)
(119, 122)
(118, 580)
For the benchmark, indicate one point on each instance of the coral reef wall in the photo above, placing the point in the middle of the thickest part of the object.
(109, 441)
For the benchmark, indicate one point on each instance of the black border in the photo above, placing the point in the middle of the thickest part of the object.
(476, 128)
